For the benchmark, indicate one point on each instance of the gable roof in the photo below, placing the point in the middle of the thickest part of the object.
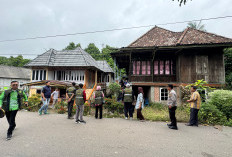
(65, 58)
(162, 37)
(15, 72)
(104, 66)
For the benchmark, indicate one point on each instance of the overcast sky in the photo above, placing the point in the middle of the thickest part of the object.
(31, 18)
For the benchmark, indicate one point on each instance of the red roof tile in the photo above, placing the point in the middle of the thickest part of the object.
(161, 37)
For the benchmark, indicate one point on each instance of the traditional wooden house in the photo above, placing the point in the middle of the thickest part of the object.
(70, 66)
(161, 57)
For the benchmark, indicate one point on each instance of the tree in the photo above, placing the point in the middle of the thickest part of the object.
(197, 26)
(93, 51)
(72, 46)
(14, 61)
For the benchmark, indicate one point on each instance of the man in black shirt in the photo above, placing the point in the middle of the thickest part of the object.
(46, 95)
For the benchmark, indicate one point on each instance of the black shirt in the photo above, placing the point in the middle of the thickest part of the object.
(47, 91)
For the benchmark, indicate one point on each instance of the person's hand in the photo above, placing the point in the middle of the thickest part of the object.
(26, 104)
(188, 101)
(44, 99)
(69, 99)
(169, 106)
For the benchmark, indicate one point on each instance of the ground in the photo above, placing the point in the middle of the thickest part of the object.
(55, 136)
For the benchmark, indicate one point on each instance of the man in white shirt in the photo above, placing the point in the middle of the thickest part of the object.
(55, 96)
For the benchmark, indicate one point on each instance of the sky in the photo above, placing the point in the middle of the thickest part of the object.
(32, 18)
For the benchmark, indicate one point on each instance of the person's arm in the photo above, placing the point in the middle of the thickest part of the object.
(42, 94)
(140, 101)
(67, 97)
(1, 98)
(25, 98)
(193, 98)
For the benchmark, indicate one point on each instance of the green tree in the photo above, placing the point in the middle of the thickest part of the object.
(93, 50)
(197, 26)
(14, 61)
(228, 67)
(72, 46)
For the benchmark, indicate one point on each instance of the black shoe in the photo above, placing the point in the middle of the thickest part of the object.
(8, 137)
(188, 124)
(169, 125)
(82, 121)
(173, 127)
(196, 125)
(77, 121)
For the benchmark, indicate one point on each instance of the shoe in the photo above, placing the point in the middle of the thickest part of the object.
(173, 127)
(188, 124)
(169, 125)
(196, 125)
(131, 118)
(77, 121)
(40, 113)
(46, 113)
(82, 121)
(8, 137)
(126, 118)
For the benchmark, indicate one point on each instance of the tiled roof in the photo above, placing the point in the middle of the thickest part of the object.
(65, 58)
(15, 72)
(161, 37)
(104, 66)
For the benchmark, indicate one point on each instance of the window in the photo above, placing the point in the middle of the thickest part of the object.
(163, 94)
(69, 75)
(164, 67)
(38, 75)
(141, 68)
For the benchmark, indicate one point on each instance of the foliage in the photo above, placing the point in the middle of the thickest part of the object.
(72, 46)
(228, 67)
(14, 61)
(34, 103)
(197, 26)
(87, 109)
(93, 51)
(61, 110)
(113, 106)
(210, 114)
(222, 99)
(156, 105)
(114, 88)
(61, 107)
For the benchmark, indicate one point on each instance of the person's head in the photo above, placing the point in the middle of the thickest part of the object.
(73, 84)
(193, 88)
(81, 85)
(14, 85)
(170, 87)
(140, 90)
(56, 89)
(98, 88)
(48, 83)
(127, 85)
(126, 80)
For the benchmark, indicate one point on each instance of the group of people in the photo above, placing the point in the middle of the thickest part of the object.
(11, 101)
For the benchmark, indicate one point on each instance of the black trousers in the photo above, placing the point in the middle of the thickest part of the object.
(96, 112)
(172, 115)
(128, 108)
(10, 116)
(139, 114)
(193, 116)
(70, 107)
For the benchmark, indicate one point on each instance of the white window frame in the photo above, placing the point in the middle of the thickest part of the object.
(164, 94)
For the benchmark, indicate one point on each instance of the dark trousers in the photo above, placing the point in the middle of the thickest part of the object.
(128, 108)
(193, 116)
(70, 107)
(172, 115)
(139, 114)
(10, 116)
(99, 107)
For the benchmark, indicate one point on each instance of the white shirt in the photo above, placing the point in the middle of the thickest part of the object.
(139, 100)
(55, 94)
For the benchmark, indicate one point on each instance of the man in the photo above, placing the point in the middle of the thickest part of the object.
(80, 101)
(46, 96)
(55, 96)
(195, 103)
(172, 105)
(70, 96)
(128, 98)
(10, 102)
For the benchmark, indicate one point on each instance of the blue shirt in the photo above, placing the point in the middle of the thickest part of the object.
(47, 91)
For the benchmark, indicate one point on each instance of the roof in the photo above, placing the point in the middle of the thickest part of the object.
(15, 72)
(64, 58)
(157, 37)
(104, 66)
(52, 83)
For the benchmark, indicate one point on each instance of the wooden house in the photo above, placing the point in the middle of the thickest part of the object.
(161, 57)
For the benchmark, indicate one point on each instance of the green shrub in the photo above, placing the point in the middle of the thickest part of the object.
(113, 106)
(114, 89)
(157, 105)
(229, 123)
(222, 99)
(210, 114)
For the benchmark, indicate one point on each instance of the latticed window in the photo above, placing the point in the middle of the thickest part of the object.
(163, 94)
(164, 67)
(141, 68)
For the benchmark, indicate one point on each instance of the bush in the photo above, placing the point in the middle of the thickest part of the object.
(113, 106)
(114, 89)
(210, 114)
(222, 99)
(34, 103)
(61, 110)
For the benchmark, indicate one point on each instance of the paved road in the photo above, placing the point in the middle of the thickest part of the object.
(55, 136)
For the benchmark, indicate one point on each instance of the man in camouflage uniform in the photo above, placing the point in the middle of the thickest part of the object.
(70, 96)
(80, 101)
(128, 98)
(11, 101)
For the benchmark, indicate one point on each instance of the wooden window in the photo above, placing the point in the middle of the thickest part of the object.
(163, 94)
(141, 68)
(164, 67)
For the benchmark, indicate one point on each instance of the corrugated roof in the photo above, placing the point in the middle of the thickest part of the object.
(161, 37)
(104, 66)
(14, 72)
(65, 58)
